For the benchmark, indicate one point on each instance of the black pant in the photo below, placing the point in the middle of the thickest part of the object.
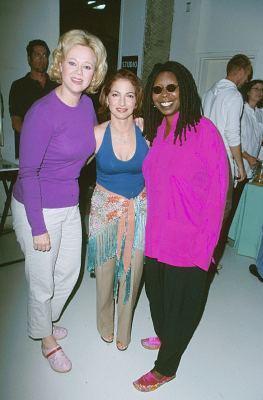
(177, 297)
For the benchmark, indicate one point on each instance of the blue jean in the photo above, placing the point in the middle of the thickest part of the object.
(259, 260)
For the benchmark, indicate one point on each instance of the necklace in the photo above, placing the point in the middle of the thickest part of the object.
(121, 140)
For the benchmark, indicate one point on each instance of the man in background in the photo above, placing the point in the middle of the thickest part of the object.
(36, 84)
(223, 104)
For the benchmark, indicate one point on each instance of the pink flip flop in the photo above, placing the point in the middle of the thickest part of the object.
(151, 343)
(57, 359)
(59, 332)
(149, 382)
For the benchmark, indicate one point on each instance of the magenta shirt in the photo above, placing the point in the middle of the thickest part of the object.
(56, 140)
(186, 189)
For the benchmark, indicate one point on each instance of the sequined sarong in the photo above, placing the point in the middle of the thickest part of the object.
(116, 229)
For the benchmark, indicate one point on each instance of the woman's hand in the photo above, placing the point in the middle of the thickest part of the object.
(42, 242)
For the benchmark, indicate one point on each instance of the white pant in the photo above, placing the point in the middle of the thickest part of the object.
(50, 275)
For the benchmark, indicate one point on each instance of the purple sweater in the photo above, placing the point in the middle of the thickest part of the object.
(56, 140)
(186, 189)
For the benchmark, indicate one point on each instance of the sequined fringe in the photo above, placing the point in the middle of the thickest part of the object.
(102, 246)
(118, 274)
(138, 244)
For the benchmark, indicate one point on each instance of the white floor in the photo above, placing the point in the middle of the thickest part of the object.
(223, 361)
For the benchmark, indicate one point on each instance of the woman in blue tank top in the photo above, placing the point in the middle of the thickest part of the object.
(118, 207)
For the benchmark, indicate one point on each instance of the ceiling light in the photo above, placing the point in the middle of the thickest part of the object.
(91, 2)
(100, 7)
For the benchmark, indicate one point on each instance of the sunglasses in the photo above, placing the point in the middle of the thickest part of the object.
(170, 88)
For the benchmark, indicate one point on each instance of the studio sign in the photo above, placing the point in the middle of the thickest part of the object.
(130, 62)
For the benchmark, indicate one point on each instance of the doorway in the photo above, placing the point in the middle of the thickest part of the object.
(101, 18)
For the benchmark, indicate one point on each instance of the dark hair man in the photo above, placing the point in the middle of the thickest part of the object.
(36, 84)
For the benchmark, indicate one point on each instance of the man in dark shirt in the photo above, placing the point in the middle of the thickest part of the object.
(36, 84)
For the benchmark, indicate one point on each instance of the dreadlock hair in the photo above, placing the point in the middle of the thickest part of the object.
(190, 102)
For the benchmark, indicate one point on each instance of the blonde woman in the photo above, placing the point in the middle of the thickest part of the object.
(56, 140)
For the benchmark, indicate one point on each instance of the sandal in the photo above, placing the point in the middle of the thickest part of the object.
(151, 343)
(57, 359)
(149, 382)
(107, 339)
(120, 346)
(59, 332)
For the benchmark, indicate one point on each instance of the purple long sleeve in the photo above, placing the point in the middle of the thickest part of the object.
(56, 140)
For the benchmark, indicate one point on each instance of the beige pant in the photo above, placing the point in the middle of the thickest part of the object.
(50, 275)
(106, 303)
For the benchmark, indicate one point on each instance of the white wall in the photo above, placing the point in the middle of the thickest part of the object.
(20, 22)
(185, 32)
(218, 29)
(212, 28)
(231, 25)
(131, 37)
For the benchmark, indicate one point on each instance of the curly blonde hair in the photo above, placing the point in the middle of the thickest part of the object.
(83, 38)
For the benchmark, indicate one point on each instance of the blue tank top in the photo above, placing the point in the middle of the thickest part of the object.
(122, 177)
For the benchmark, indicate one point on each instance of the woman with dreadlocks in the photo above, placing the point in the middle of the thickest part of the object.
(186, 177)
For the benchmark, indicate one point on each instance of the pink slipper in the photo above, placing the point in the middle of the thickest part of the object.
(149, 382)
(151, 343)
(57, 359)
(59, 332)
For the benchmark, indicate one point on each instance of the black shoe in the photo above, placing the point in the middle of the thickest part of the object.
(254, 271)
